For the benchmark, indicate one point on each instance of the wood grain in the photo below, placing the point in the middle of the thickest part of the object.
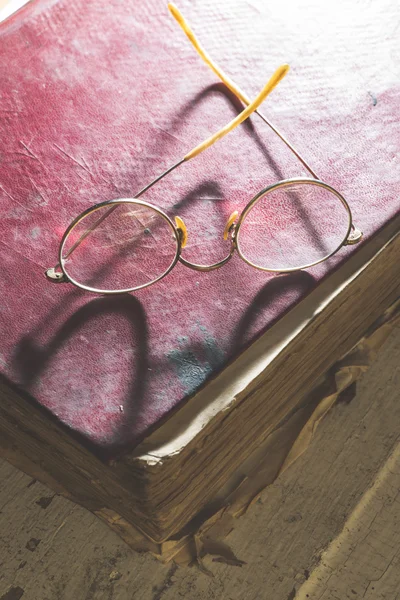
(328, 527)
(161, 497)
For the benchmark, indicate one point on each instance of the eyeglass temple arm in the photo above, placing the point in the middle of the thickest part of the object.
(252, 106)
(229, 82)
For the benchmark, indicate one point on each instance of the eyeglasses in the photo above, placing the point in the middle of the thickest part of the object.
(126, 244)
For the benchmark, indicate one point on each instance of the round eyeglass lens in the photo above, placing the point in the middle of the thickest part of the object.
(292, 226)
(119, 247)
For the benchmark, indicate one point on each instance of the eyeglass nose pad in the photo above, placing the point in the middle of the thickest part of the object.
(183, 234)
(230, 223)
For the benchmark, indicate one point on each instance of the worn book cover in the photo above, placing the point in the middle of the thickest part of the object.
(97, 100)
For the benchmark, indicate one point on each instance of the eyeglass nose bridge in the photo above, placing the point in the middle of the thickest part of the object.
(229, 229)
(207, 268)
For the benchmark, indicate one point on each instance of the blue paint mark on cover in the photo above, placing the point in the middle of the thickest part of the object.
(191, 372)
(214, 354)
(193, 367)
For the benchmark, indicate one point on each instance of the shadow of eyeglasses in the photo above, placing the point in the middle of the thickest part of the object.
(31, 359)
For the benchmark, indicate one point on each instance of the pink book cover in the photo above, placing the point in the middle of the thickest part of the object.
(99, 98)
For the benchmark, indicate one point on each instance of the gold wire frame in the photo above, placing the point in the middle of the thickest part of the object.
(232, 229)
(275, 186)
(115, 203)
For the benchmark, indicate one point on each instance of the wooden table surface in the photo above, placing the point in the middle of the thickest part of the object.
(327, 529)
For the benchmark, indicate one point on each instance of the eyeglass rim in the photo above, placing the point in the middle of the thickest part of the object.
(98, 206)
(270, 188)
(235, 236)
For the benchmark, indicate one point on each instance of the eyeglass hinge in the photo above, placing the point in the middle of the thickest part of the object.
(55, 276)
(354, 237)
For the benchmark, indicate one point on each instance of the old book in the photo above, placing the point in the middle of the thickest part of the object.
(146, 404)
